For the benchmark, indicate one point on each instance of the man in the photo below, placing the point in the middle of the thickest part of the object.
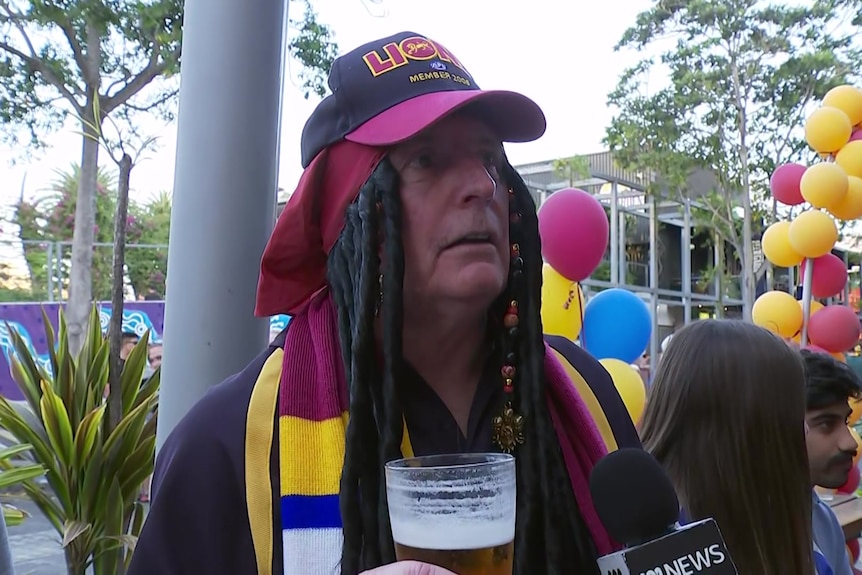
(128, 341)
(154, 356)
(831, 448)
(410, 262)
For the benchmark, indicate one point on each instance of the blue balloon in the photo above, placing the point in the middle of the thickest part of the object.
(617, 325)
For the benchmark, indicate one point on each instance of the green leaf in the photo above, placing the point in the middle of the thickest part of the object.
(50, 341)
(13, 516)
(15, 450)
(18, 475)
(137, 468)
(58, 426)
(93, 480)
(133, 372)
(12, 421)
(72, 530)
(86, 436)
(24, 370)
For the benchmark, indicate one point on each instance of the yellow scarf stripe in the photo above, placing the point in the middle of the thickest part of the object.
(313, 454)
(258, 445)
(589, 399)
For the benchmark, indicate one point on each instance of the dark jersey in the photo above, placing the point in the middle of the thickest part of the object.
(198, 521)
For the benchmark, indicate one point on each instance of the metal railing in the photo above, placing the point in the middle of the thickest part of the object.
(41, 269)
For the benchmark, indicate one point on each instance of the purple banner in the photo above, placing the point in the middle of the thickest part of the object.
(26, 318)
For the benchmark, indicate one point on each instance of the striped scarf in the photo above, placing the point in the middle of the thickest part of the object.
(312, 411)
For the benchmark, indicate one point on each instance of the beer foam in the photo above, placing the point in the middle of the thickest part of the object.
(451, 534)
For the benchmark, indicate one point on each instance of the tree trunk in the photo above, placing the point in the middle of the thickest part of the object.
(115, 327)
(81, 274)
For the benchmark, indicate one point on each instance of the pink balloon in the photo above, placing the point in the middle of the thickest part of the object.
(574, 229)
(830, 276)
(784, 184)
(852, 482)
(834, 328)
(856, 135)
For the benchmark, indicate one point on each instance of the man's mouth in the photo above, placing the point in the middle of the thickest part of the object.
(843, 463)
(471, 239)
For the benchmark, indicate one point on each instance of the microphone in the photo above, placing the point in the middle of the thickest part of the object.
(645, 519)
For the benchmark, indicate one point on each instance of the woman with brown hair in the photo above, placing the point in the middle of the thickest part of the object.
(725, 417)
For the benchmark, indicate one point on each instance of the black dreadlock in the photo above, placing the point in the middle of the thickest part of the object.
(551, 536)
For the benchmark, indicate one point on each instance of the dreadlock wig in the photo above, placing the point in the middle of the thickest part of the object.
(551, 536)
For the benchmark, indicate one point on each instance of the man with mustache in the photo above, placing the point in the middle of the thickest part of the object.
(831, 447)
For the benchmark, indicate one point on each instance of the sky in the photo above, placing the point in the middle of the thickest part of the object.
(560, 55)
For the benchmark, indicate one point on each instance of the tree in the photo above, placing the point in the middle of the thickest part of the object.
(572, 169)
(49, 219)
(149, 225)
(105, 58)
(314, 47)
(96, 57)
(742, 75)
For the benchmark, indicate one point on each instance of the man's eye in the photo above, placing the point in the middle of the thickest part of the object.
(423, 161)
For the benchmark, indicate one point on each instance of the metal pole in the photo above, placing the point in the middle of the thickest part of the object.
(685, 251)
(622, 235)
(615, 235)
(653, 279)
(806, 299)
(225, 189)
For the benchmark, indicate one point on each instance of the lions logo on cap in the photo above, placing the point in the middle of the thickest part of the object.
(413, 49)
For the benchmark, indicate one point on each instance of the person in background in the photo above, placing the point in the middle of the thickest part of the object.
(725, 416)
(830, 384)
(128, 341)
(154, 355)
(854, 360)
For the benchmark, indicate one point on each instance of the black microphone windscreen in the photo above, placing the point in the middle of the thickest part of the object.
(633, 496)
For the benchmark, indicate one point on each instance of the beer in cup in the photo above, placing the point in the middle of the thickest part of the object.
(454, 511)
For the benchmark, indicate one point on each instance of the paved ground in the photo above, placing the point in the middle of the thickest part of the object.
(35, 544)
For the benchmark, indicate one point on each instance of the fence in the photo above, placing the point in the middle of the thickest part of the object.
(35, 270)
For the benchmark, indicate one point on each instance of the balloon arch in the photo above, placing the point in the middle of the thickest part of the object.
(615, 324)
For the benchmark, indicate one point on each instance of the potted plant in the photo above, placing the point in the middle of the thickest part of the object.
(94, 469)
(13, 474)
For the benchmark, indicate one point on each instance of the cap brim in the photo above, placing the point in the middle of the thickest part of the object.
(514, 117)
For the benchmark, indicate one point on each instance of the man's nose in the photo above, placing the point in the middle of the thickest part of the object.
(477, 181)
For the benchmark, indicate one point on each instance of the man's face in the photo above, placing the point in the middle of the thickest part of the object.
(155, 356)
(831, 447)
(455, 213)
(129, 344)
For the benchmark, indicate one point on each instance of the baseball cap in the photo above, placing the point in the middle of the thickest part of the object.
(383, 93)
(389, 90)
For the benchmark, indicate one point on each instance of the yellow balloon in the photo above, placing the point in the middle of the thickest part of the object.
(850, 206)
(778, 312)
(858, 441)
(776, 246)
(855, 411)
(629, 385)
(813, 233)
(824, 185)
(850, 158)
(827, 129)
(848, 99)
(562, 304)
